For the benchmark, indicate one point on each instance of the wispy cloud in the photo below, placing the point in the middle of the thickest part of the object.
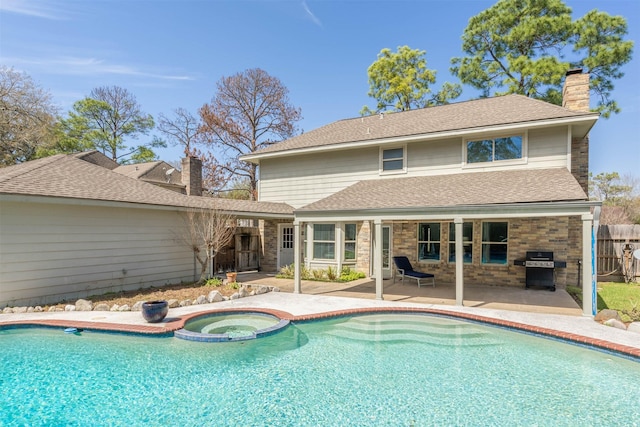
(35, 8)
(311, 15)
(71, 65)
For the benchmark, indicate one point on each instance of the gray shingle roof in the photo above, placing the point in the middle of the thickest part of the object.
(473, 188)
(501, 110)
(68, 176)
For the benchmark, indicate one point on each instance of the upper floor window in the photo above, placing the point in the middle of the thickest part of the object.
(495, 149)
(429, 241)
(393, 159)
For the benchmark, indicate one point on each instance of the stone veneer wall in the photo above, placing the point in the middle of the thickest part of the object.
(363, 247)
(269, 232)
(562, 235)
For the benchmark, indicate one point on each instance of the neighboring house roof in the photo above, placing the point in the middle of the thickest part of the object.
(158, 172)
(67, 176)
(450, 119)
(97, 158)
(465, 189)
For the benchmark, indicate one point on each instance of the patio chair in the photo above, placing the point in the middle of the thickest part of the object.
(404, 268)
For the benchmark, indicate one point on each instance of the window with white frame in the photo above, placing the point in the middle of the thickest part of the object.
(392, 159)
(429, 241)
(467, 242)
(495, 236)
(324, 241)
(494, 149)
(349, 242)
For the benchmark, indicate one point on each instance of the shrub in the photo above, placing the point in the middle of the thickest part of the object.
(318, 274)
(214, 281)
(347, 275)
(332, 273)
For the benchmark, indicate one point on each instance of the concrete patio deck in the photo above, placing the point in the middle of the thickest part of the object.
(552, 314)
(497, 297)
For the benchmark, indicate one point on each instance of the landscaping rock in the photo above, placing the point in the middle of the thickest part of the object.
(52, 308)
(137, 306)
(235, 296)
(7, 310)
(185, 303)
(634, 327)
(201, 300)
(30, 309)
(84, 305)
(616, 324)
(215, 296)
(69, 307)
(262, 290)
(243, 292)
(19, 309)
(38, 309)
(101, 307)
(124, 307)
(114, 307)
(275, 289)
(173, 303)
(607, 314)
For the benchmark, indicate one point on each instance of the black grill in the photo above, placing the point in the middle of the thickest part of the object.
(540, 269)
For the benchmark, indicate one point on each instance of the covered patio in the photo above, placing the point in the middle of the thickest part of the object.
(492, 297)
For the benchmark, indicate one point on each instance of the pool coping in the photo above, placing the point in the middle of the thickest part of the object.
(173, 324)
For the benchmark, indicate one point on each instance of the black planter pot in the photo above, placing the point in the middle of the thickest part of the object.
(155, 311)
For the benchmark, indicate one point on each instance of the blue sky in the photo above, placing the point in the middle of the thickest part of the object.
(171, 53)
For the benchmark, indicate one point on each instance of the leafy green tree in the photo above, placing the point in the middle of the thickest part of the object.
(27, 117)
(103, 120)
(400, 81)
(519, 46)
(607, 188)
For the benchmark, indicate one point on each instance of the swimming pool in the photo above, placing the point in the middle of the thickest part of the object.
(371, 370)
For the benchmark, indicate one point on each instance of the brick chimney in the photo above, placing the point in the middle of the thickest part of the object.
(192, 175)
(575, 96)
(575, 92)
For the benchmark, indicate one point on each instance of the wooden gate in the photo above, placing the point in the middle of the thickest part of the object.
(616, 244)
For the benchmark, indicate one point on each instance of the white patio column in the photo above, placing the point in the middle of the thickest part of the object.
(589, 298)
(297, 258)
(459, 261)
(377, 256)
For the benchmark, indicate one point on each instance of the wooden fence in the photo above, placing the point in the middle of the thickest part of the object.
(616, 244)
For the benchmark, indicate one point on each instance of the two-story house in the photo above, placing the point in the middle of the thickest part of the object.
(463, 190)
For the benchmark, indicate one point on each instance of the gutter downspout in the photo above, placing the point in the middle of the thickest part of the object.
(594, 258)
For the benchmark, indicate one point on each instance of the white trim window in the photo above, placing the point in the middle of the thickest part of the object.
(498, 149)
(393, 160)
(467, 242)
(324, 241)
(350, 236)
(495, 238)
(429, 241)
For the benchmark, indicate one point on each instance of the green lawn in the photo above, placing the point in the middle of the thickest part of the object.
(623, 297)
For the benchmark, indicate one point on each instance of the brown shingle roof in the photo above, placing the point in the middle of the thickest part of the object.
(154, 172)
(71, 177)
(474, 188)
(501, 110)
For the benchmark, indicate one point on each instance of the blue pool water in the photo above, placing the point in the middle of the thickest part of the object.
(373, 370)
